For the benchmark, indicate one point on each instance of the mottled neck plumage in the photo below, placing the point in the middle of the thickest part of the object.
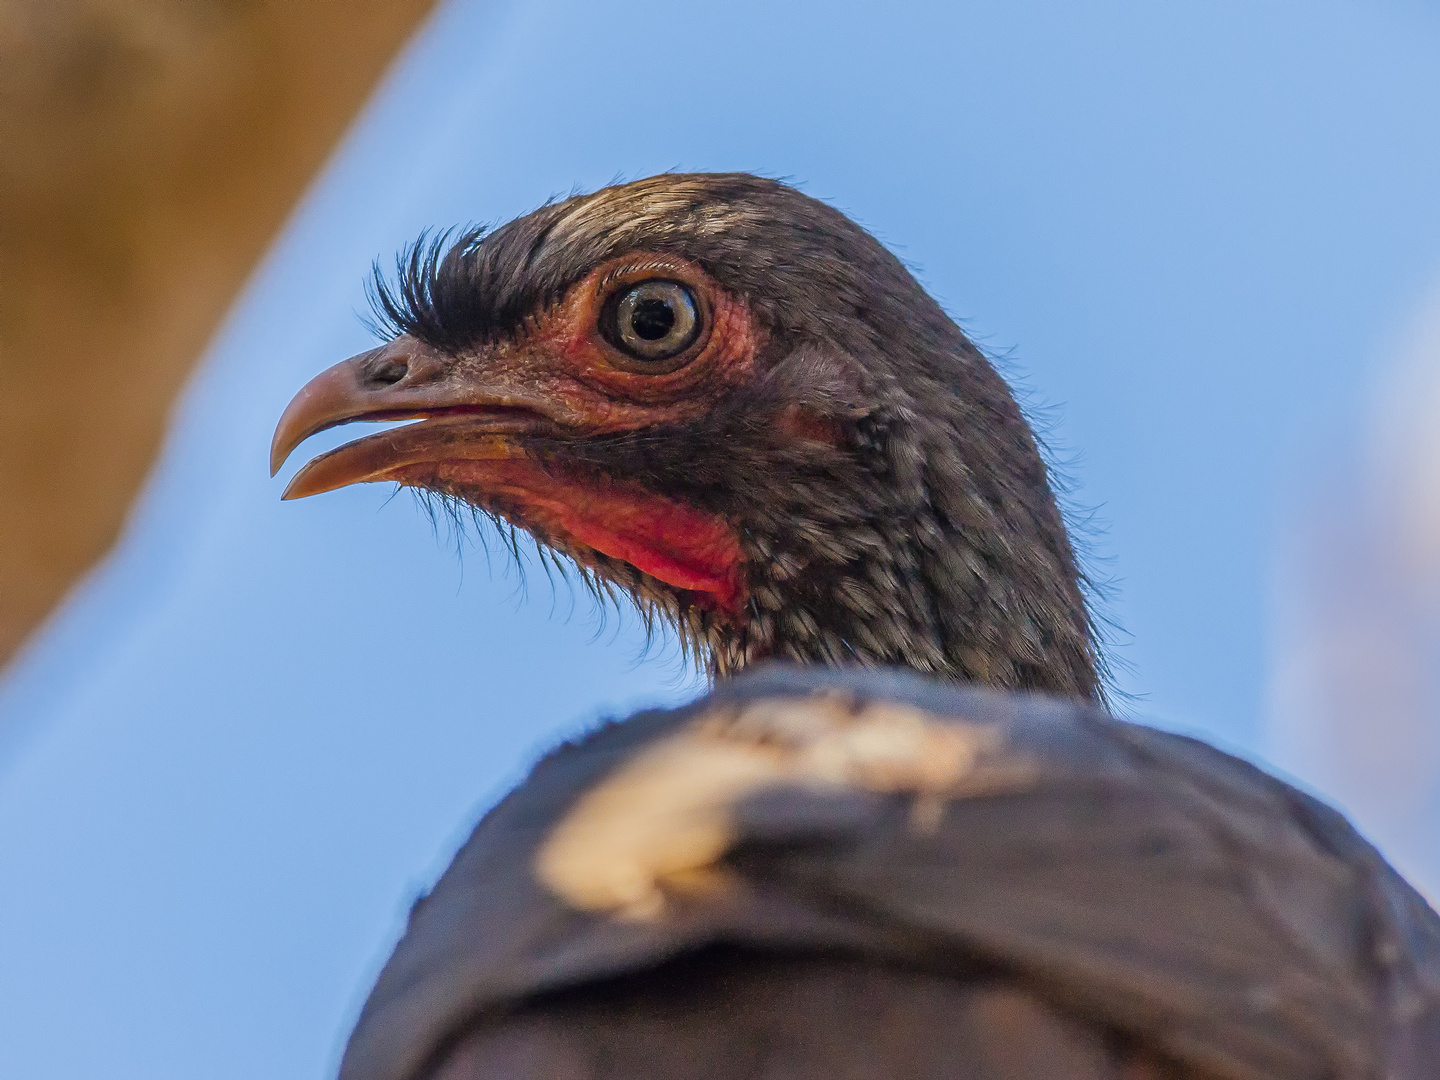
(931, 542)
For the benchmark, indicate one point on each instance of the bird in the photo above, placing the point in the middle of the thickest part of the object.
(901, 838)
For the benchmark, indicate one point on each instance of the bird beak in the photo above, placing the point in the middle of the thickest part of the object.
(395, 382)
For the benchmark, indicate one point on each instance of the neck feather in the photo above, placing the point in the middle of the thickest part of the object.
(910, 561)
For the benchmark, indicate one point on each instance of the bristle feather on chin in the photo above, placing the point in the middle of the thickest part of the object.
(613, 587)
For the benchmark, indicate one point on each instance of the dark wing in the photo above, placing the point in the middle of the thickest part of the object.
(1139, 883)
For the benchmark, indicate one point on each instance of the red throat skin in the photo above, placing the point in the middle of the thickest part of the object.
(685, 548)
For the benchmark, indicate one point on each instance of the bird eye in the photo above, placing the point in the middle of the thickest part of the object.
(654, 321)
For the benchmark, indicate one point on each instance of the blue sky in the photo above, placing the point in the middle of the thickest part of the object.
(1197, 232)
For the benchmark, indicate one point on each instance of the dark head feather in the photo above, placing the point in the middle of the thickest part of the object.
(930, 538)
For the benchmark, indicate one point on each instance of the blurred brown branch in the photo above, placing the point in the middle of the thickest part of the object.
(149, 149)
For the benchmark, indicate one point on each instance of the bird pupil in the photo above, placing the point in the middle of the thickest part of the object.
(652, 319)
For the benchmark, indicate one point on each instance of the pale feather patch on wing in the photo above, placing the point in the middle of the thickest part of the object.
(662, 821)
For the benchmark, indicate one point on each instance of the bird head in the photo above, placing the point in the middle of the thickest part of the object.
(730, 401)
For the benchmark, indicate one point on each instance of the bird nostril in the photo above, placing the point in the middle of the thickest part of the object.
(388, 373)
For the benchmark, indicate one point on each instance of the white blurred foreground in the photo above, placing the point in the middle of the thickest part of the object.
(1355, 683)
